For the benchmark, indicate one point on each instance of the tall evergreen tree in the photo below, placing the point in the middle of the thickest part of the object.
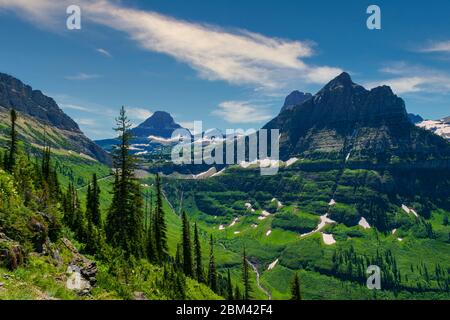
(178, 259)
(150, 239)
(159, 224)
(229, 286)
(246, 277)
(187, 246)
(93, 202)
(237, 293)
(199, 273)
(125, 216)
(295, 288)
(11, 162)
(73, 215)
(212, 272)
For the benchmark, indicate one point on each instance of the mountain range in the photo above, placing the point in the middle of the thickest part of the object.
(345, 120)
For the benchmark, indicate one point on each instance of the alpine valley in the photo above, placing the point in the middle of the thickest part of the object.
(361, 183)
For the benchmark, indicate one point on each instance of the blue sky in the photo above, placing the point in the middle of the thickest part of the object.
(227, 63)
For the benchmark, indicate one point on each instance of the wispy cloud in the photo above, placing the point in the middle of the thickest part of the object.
(74, 107)
(236, 56)
(138, 113)
(104, 52)
(81, 76)
(86, 122)
(242, 112)
(436, 47)
(406, 78)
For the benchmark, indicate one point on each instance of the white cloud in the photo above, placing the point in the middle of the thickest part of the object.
(138, 113)
(242, 112)
(74, 107)
(437, 46)
(235, 56)
(104, 52)
(86, 122)
(405, 78)
(81, 76)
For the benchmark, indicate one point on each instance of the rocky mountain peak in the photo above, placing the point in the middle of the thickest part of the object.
(342, 80)
(159, 124)
(159, 120)
(295, 98)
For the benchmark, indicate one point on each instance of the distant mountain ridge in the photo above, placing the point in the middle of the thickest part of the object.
(153, 132)
(41, 116)
(344, 120)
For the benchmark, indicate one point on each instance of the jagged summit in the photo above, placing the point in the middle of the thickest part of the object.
(160, 124)
(295, 98)
(344, 115)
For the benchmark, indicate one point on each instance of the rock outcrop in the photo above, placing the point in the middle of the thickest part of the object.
(39, 111)
(81, 272)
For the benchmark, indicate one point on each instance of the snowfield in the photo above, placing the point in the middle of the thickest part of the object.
(324, 220)
(328, 239)
(439, 127)
(363, 223)
(272, 265)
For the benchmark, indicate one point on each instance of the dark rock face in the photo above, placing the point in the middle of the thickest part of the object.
(345, 118)
(15, 94)
(295, 98)
(414, 118)
(33, 103)
(160, 124)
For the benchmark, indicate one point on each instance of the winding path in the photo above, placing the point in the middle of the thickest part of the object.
(266, 292)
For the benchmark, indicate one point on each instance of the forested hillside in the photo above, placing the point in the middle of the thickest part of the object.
(59, 240)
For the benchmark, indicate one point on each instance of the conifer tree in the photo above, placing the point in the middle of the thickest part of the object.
(150, 239)
(73, 215)
(295, 288)
(212, 272)
(237, 293)
(93, 202)
(178, 259)
(187, 246)
(246, 277)
(198, 256)
(159, 225)
(229, 286)
(125, 216)
(11, 161)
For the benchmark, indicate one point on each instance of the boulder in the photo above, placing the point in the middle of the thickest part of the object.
(11, 253)
(81, 272)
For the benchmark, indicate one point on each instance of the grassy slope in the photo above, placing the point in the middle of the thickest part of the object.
(40, 278)
(290, 249)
